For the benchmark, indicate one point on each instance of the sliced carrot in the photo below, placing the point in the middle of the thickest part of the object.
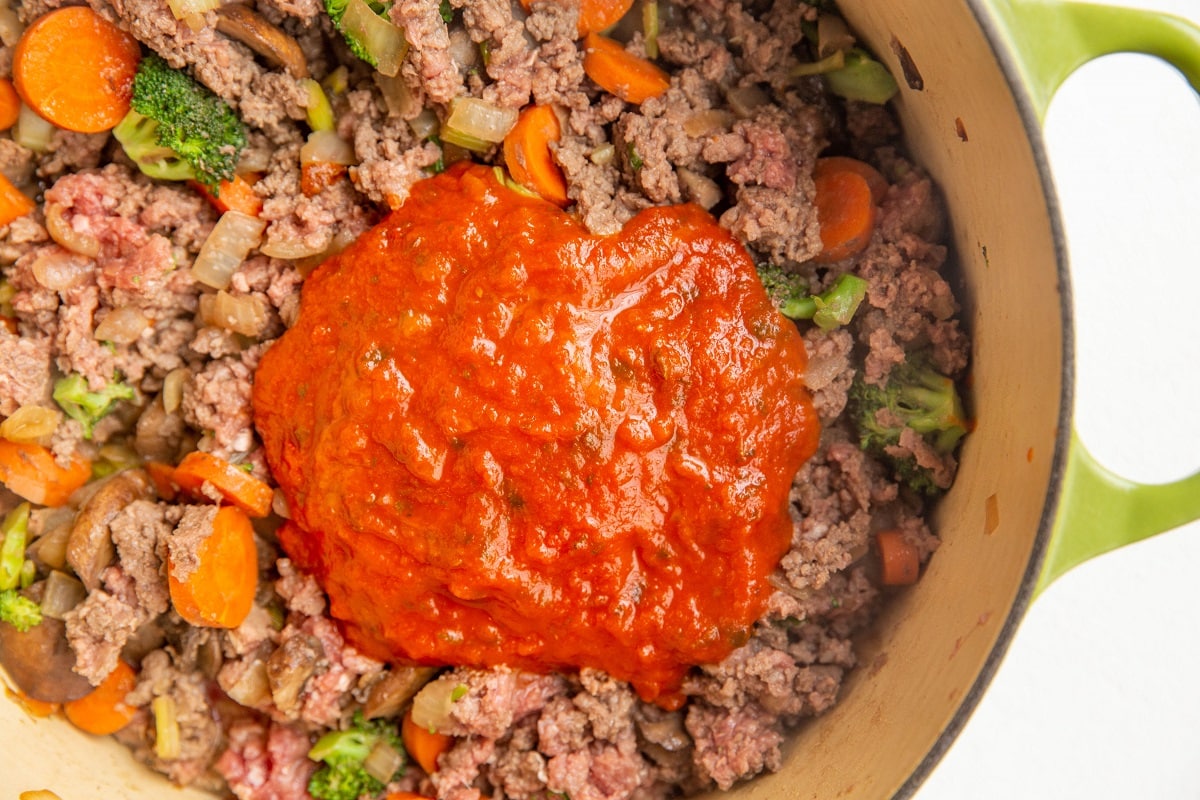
(10, 104)
(527, 154)
(407, 796)
(76, 69)
(595, 15)
(873, 177)
(237, 194)
(423, 744)
(618, 71)
(899, 560)
(235, 484)
(846, 213)
(103, 710)
(219, 592)
(13, 202)
(317, 176)
(32, 706)
(32, 472)
(163, 477)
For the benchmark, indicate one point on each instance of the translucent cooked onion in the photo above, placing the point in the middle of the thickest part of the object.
(252, 688)
(191, 12)
(383, 761)
(10, 26)
(707, 122)
(424, 124)
(172, 389)
(477, 124)
(63, 593)
(31, 131)
(231, 240)
(166, 728)
(293, 248)
(244, 314)
(700, 189)
(61, 231)
(59, 270)
(431, 706)
(382, 40)
(744, 100)
(326, 147)
(397, 96)
(30, 425)
(124, 325)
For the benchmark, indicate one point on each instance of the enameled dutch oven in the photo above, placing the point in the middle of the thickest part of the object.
(976, 77)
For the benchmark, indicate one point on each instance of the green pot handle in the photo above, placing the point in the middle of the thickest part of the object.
(1052, 38)
(1049, 39)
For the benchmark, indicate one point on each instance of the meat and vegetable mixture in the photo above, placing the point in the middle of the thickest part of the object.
(458, 399)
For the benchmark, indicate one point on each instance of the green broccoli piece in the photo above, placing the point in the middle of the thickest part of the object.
(88, 407)
(19, 611)
(177, 129)
(16, 609)
(916, 397)
(830, 309)
(344, 774)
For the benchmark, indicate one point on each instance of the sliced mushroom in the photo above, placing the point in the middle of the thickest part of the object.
(41, 662)
(90, 547)
(289, 667)
(393, 691)
(251, 29)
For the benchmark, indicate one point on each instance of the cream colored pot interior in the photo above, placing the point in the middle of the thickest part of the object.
(936, 640)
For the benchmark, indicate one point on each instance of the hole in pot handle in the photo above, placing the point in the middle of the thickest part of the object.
(1051, 39)
(1099, 510)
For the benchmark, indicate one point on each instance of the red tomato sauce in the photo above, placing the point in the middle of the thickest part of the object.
(504, 440)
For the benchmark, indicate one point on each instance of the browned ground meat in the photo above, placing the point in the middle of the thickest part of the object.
(98, 283)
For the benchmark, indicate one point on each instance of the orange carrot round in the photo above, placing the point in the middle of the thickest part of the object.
(873, 177)
(237, 194)
(423, 744)
(900, 563)
(235, 484)
(103, 710)
(617, 71)
(76, 69)
(10, 104)
(219, 592)
(595, 15)
(846, 213)
(527, 154)
(13, 202)
(31, 471)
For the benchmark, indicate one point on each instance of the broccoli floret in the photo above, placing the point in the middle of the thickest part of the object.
(19, 611)
(916, 397)
(177, 129)
(830, 309)
(88, 407)
(344, 775)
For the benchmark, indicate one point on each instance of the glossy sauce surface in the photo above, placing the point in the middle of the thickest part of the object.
(504, 440)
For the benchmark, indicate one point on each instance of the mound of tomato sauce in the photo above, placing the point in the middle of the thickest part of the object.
(504, 440)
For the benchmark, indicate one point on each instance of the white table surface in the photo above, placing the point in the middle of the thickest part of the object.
(1099, 695)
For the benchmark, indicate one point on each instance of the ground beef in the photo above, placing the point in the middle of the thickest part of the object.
(266, 761)
(25, 377)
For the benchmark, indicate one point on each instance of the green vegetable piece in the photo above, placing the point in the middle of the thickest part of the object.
(366, 40)
(318, 112)
(19, 611)
(88, 407)
(12, 551)
(836, 307)
(447, 11)
(862, 78)
(343, 775)
(178, 129)
(915, 397)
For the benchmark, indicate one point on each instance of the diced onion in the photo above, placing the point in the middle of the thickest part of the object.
(744, 100)
(477, 124)
(10, 26)
(61, 231)
(380, 38)
(172, 389)
(293, 248)
(431, 706)
(700, 189)
(706, 123)
(603, 154)
(191, 12)
(124, 325)
(231, 240)
(326, 147)
(32, 131)
(424, 124)
(252, 688)
(397, 96)
(30, 425)
(244, 314)
(62, 594)
(383, 761)
(166, 728)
